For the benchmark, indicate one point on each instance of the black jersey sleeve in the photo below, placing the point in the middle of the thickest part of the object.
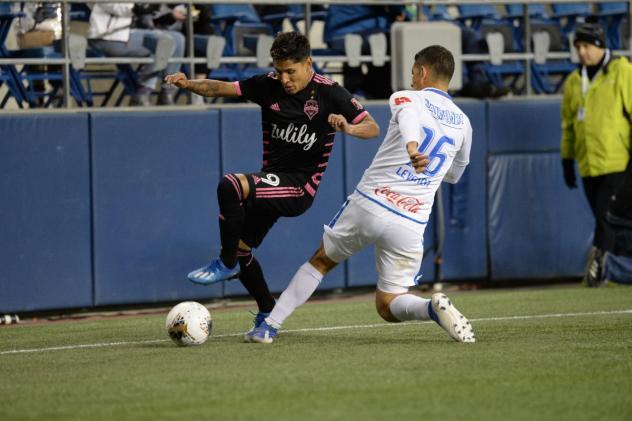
(256, 88)
(347, 105)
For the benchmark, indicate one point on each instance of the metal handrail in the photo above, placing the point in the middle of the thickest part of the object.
(192, 60)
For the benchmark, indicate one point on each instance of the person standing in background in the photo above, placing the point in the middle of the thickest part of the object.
(596, 128)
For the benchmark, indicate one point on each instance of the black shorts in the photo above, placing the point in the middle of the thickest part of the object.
(271, 196)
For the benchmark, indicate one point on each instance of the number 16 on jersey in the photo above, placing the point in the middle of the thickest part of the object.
(437, 155)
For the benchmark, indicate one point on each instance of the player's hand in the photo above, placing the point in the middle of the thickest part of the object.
(338, 122)
(177, 79)
(419, 161)
(570, 179)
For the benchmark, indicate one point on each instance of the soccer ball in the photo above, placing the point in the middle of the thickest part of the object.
(189, 323)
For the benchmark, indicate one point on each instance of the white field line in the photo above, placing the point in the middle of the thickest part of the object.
(319, 329)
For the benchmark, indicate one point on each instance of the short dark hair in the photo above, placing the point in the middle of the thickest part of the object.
(290, 46)
(439, 59)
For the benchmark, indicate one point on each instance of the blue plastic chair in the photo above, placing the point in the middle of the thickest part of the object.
(542, 75)
(10, 76)
(571, 9)
(239, 24)
(536, 11)
(479, 15)
(612, 17)
(570, 12)
(83, 80)
(437, 12)
(15, 78)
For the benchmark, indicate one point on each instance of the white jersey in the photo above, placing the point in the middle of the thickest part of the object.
(443, 132)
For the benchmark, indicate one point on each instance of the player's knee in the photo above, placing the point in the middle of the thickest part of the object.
(245, 256)
(385, 312)
(229, 188)
(382, 305)
(322, 262)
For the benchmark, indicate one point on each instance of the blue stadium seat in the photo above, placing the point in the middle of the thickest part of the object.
(612, 16)
(297, 11)
(544, 75)
(548, 76)
(293, 13)
(8, 73)
(8, 79)
(21, 83)
(124, 75)
(15, 79)
(239, 24)
(536, 10)
(478, 14)
(567, 14)
(361, 20)
(438, 12)
(571, 9)
(80, 12)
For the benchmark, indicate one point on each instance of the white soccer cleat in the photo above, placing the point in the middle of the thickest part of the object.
(451, 319)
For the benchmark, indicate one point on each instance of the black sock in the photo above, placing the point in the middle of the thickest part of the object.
(251, 276)
(231, 217)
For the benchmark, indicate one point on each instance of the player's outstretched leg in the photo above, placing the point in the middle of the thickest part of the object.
(252, 279)
(230, 196)
(451, 319)
(301, 287)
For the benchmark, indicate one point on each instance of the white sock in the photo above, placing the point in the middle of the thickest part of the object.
(409, 307)
(301, 287)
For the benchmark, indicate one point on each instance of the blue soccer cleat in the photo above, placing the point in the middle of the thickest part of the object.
(264, 334)
(214, 272)
(260, 318)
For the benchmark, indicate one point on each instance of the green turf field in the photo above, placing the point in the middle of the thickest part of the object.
(572, 361)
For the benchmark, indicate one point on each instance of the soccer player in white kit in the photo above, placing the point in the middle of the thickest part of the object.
(428, 141)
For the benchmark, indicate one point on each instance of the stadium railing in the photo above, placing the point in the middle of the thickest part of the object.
(69, 61)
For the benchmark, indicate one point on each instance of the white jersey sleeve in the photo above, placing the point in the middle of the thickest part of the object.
(406, 114)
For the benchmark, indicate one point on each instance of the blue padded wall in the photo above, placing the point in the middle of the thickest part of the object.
(291, 241)
(114, 208)
(524, 125)
(155, 176)
(44, 212)
(465, 246)
(537, 227)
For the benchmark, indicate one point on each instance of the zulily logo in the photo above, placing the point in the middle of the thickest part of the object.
(294, 134)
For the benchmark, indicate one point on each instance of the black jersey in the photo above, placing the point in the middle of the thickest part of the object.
(296, 135)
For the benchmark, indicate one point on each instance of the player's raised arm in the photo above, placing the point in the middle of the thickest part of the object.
(366, 128)
(461, 160)
(203, 87)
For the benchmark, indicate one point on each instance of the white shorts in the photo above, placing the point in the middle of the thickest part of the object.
(398, 241)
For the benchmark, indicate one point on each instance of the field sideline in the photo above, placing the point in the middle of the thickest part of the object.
(552, 353)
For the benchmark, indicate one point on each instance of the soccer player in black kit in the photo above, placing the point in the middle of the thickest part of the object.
(301, 112)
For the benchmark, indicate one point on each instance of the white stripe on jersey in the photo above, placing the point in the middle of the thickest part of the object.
(443, 132)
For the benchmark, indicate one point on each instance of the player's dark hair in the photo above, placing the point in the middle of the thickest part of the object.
(439, 59)
(290, 46)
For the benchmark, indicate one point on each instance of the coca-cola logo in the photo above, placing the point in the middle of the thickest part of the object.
(407, 203)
